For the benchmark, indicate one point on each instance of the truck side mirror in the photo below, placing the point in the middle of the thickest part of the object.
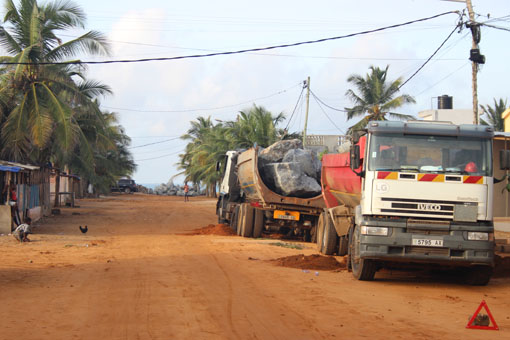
(355, 157)
(218, 166)
(504, 159)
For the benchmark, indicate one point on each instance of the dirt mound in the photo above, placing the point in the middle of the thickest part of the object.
(211, 229)
(502, 268)
(312, 262)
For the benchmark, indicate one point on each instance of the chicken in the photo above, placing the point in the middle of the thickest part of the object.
(84, 230)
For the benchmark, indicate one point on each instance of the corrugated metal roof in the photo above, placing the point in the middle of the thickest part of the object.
(19, 166)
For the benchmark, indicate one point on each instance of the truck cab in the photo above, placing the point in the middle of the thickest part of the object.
(426, 198)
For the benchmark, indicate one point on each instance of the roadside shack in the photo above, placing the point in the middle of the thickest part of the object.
(31, 185)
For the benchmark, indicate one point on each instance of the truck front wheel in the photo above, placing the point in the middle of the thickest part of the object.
(479, 275)
(362, 269)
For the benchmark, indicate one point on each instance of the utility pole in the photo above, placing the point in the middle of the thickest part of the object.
(307, 84)
(475, 57)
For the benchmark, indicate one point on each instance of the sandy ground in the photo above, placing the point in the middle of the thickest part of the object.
(136, 275)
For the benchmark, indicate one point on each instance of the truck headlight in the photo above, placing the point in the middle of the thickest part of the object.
(476, 236)
(374, 231)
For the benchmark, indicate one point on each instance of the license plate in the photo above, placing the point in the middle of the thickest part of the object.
(286, 215)
(424, 242)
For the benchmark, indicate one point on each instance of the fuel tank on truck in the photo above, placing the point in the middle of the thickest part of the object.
(341, 185)
(256, 190)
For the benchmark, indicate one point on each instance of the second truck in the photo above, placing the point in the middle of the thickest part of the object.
(251, 207)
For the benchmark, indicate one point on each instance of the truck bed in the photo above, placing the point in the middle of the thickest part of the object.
(257, 191)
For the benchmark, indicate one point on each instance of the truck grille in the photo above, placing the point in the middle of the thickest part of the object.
(425, 208)
(426, 250)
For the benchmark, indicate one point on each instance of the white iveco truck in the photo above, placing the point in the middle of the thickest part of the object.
(416, 193)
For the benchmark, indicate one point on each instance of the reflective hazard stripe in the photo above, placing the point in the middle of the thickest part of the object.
(473, 179)
(387, 175)
(430, 178)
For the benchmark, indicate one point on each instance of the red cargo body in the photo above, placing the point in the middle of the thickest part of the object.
(340, 185)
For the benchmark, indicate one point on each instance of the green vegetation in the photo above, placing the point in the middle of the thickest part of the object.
(494, 114)
(50, 113)
(375, 97)
(208, 142)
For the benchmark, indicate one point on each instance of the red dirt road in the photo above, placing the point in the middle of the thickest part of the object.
(135, 275)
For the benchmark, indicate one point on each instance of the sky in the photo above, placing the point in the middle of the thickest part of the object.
(156, 101)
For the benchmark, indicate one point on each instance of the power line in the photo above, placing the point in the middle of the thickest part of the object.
(235, 52)
(432, 56)
(149, 159)
(498, 27)
(329, 118)
(447, 76)
(295, 107)
(163, 141)
(204, 109)
(326, 105)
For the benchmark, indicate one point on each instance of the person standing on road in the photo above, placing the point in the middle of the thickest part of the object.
(186, 191)
(12, 198)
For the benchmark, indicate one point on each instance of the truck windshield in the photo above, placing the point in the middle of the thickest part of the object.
(434, 154)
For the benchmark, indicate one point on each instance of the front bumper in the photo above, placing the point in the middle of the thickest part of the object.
(398, 245)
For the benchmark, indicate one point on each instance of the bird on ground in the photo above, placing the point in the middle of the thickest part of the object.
(84, 230)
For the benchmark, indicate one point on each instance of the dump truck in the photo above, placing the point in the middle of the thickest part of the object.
(250, 207)
(411, 194)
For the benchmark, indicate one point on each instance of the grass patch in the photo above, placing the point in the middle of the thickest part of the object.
(287, 245)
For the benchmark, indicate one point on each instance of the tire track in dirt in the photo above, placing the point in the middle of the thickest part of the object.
(230, 297)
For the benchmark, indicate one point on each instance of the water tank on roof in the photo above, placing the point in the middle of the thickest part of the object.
(445, 102)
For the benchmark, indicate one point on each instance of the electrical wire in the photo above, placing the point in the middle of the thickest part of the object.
(432, 56)
(295, 107)
(203, 109)
(78, 62)
(326, 105)
(163, 141)
(329, 118)
(444, 78)
(149, 159)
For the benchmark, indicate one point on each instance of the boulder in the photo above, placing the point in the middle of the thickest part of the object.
(288, 179)
(307, 159)
(275, 152)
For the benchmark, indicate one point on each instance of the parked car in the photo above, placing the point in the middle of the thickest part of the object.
(125, 185)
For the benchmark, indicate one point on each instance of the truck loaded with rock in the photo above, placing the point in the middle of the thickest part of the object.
(410, 194)
(273, 189)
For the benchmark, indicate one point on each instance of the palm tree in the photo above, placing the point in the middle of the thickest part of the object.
(375, 98)
(255, 126)
(208, 143)
(494, 114)
(37, 100)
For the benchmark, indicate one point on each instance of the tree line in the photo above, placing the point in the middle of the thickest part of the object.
(50, 114)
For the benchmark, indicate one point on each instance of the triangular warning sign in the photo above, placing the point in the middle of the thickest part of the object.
(482, 321)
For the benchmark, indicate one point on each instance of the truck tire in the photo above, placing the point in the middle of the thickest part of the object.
(234, 219)
(220, 212)
(258, 223)
(320, 232)
(479, 275)
(362, 269)
(329, 237)
(127, 190)
(343, 245)
(247, 221)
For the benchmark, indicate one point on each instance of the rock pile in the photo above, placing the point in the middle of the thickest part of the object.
(170, 189)
(289, 170)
